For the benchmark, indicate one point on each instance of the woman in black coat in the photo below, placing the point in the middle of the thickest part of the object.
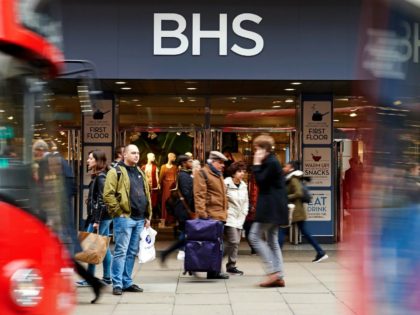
(181, 209)
(271, 212)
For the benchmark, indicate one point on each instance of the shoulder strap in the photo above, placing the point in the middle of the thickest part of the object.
(119, 172)
(181, 197)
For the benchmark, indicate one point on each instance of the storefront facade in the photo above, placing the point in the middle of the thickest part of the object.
(219, 73)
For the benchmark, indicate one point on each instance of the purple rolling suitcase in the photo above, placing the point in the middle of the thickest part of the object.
(204, 245)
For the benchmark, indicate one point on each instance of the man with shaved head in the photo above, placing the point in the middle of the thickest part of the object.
(127, 196)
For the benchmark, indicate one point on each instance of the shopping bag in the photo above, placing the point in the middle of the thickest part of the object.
(291, 209)
(94, 247)
(147, 250)
(181, 255)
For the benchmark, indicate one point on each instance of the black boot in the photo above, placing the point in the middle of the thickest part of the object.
(95, 283)
(97, 290)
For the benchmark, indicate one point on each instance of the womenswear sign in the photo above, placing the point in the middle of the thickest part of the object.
(317, 165)
(317, 122)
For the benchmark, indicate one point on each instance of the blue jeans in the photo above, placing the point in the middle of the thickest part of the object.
(103, 230)
(304, 230)
(127, 238)
(269, 251)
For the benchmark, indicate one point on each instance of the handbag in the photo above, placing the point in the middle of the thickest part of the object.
(94, 247)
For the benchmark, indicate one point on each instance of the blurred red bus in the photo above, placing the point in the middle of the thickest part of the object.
(35, 267)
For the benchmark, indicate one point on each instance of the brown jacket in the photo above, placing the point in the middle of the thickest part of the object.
(210, 197)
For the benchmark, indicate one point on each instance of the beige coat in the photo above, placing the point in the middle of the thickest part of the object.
(210, 197)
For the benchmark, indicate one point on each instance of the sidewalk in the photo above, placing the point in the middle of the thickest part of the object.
(311, 289)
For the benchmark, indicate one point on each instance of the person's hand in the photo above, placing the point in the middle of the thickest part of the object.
(95, 225)
(146, 223)
(259, 156)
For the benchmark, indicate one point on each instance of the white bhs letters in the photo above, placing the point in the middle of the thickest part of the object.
(198, 34)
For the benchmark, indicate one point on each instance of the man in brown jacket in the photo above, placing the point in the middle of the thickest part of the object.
(210, 197)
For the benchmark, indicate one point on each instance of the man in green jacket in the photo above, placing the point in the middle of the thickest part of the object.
(127, 196)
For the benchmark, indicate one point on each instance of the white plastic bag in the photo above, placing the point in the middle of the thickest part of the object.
(181, 255)
(147, 250)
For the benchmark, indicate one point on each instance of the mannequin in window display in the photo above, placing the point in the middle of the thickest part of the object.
(167, 180)
(152, 175)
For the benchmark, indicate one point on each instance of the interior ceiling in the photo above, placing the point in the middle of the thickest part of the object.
(233, 103)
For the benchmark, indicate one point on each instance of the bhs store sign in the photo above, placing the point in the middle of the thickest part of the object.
(197, 34)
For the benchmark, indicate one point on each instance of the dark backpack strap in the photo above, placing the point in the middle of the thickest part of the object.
(119, 172)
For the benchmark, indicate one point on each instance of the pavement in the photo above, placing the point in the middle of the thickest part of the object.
(311, 289)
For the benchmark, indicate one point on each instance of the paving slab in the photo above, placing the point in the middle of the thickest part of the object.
(311, 289)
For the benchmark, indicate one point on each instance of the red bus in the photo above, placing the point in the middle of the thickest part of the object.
(36, 273)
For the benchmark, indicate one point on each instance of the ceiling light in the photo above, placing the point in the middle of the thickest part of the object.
(10, 117)
(276, 106)
(126, 88)
(135, 100)
(344, 99)
(191, 88)
(289, 100)
(181, 100)
(336, 120)
(192, 99)
(138, 105)
(2, 111)
(276, 102)
(289, 89)
(296, 83)
(397, 102)
(120, 82)
(190, 82)
(353, 115)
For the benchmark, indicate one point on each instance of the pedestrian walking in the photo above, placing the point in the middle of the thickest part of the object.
(98, 219)
(210, 197)
(237, 194)
(271, 212)
(181, 202)
(295, 193)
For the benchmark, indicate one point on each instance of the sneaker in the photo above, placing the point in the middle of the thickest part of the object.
(83, 283)
(117, 291)
(235, 271)
(320, 257)
(220, 275)
(106, 281)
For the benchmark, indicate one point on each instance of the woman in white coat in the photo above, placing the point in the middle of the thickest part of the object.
(237, 193)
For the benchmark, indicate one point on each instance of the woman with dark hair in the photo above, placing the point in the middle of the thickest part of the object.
(237, 194)
(98, 217)
(181, 209)
(295, 194)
